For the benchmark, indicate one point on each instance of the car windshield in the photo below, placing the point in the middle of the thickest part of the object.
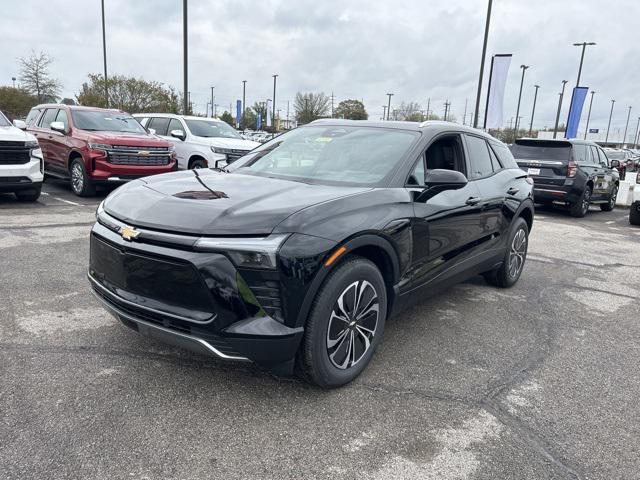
(211, 128)
(541, 151)
(3, 120)
(97, 120)
(331, 155)
(615, 155)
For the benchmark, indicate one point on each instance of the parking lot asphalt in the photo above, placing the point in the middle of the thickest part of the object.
(537, 381)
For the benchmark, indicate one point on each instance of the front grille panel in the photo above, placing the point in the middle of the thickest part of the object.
(142, 156)
(14, 153)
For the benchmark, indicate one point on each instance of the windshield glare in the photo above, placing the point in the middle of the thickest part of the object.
(210, 129)
(105, 121)
(334, 154)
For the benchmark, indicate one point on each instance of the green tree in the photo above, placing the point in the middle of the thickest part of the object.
(351, 110)
(227, 117)
(35, 78)
(133, 95)
(310, 106)
(248, 119)
(16, 102)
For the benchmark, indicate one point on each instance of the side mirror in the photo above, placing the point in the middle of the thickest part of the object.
(58, 127)
(615, 163)
(178, 134)
(20, 124)
(152, 131)
(439, 180)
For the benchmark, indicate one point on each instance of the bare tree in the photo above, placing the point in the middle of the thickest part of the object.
(35, 77)
(310, 106)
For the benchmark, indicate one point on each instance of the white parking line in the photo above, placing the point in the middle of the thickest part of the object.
(62, 200)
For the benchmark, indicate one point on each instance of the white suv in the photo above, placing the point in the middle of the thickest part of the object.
(21, 165)
(200, 142)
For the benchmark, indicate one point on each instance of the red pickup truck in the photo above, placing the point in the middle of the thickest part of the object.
(92, 146)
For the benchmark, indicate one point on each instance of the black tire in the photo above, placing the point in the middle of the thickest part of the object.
(198, 163)
(611, 204)
(581, 207)
(634, 214)
(509, 272)
(81, 184)
(330, 366)
(29, 195)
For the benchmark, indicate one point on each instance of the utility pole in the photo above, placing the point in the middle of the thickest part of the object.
(332, 104)
(212, 101)
(389, 104)
(586, 129)
(524, 68)
(384, 111)
(635, 136)
(535, 98)
(484, 54)
(244, 106)
(464, 117)
(428, 105)
(609, 124)
(446, 109)
(215, 110)
(624, 137)
(584, 46)
(288, 126)
(555, 129)
(189, 101)
(273, 107)
(185, 54)
(104, 58)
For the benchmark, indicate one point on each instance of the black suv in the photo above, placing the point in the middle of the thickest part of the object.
(575, 173)
(296, 255)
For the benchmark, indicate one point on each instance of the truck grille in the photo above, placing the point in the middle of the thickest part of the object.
(13, 153)
(142, 156)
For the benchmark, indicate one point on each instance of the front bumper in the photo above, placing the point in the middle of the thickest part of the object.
(105, 172)
(21, 177)
(193, 300)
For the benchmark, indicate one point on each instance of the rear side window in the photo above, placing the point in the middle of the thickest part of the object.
(541, 150)
(33, 116)
(504, 155)
(48, 117)
(159, 124)
(479, 157)
(580, 154)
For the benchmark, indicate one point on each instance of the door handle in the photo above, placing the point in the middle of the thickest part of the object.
(512, 191)
(473, 201)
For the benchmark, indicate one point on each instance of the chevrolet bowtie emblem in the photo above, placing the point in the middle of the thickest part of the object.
(144, 152)
(129, 233)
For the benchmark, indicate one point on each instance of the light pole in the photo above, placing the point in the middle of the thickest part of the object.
(273, 107)
(389, 104)
(484, 53)
(524, 69)
(635, 136)
(609, 124)
(555, 129)
(624, 137)
(384, 112)
(446, 108)
(584, 46)
(535, 98)
(244, 91)
(185, 51)
(13, 79)
(212, 100)
(464, 117)
(586, 129)
(104, 57)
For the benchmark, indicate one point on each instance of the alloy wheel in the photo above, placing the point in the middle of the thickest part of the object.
(586, 199)
(353, 324)
(614, 195)
(77, 178)
(518, 253)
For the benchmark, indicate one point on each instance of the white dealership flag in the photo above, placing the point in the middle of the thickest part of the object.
(268, 113)
(495, 95)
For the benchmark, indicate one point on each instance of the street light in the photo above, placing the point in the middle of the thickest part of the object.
(104, 57)
(584, 46)
(609, 124)
(212, 100)
(524, 69)
(624, 137)
(185, 51)
(13, 79)
(484, 53)
(535, 98)
(273, 107)
(389, 104)
(555, 129)
(586, 129)
(384, 112)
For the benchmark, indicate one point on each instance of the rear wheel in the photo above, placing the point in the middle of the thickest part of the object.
(610, 205)
(29, 195)
(508, 274)
(634, 214)
(581, 207)
(345, 325)
(80, 181)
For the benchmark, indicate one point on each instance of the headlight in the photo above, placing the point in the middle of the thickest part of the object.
(224, 151)
(36, 153)
(246, 252)
(172, 148)
(31, 144)
(99, 146)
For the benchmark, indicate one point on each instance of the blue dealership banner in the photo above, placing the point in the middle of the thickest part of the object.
(575, 111)
(238, 112)
(259, 121)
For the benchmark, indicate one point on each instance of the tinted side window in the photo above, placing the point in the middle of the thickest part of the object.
(479, 157)
(160, 125)
(33, 115)
(48, 117)
(504, 155)
(594, 155)
(174, 125)
(603, 157)
(62, 117)
(580, 154)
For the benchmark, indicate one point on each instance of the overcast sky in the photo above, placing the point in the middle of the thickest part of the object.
(355, 48)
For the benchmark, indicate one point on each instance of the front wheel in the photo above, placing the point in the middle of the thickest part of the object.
(509, 272)
(345, 324)
(80, 181)
(581, 207)
(610, 205)
(28, 195)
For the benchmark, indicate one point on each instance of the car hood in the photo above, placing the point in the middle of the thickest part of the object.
(14, 134)
(234, 143)
(128, 139)
(206, 202)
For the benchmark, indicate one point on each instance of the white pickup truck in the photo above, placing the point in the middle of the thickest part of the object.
(21, 164)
